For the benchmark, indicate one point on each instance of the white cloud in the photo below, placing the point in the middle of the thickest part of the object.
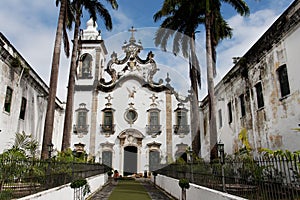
(30, 26)
(246, 31)
(31, 30)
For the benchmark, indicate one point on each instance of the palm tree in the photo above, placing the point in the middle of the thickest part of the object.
(94, 7)
(183, 19)
(60, 33)
(213, 18)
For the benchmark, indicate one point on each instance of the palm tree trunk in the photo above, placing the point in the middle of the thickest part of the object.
(66, 142)
(195, 120)
(48, 128)
(211, 90)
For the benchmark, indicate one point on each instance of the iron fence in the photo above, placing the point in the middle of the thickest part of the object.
(20, 178)
(263, 178)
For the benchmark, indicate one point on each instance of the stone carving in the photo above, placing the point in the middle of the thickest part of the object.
(143, 68)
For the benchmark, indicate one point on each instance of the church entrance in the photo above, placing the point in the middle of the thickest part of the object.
(130, 160)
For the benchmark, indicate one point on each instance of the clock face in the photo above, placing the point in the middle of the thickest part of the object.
(131, 116)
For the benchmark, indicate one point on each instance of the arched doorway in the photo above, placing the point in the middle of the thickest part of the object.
(130, 160)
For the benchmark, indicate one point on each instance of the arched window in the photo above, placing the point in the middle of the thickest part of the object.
(181, 127)
(107, 126)
(86, 66)
(153, 128)
(81, 126)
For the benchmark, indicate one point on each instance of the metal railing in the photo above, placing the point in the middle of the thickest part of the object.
(264, 178)
(20, 178)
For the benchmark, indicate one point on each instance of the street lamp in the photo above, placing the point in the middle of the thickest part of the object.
(50, 149)
(189, 153)
(221, 151)
(222, 161)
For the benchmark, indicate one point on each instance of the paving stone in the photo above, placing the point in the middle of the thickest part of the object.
(154, 192)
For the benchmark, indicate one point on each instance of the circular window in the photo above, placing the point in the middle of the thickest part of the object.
(131, 116)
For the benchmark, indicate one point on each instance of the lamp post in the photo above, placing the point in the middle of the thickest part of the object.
(222, 161)
(50, 149)
(189, 152)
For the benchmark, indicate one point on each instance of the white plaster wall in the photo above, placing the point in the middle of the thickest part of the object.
(31, 87)
(171, 186)
(268, 127)
(65, 192)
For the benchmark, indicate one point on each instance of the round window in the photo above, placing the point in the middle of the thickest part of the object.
(131, 116)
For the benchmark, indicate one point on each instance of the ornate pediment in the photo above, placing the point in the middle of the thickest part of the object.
(131, 137)
(154, 145)
(130, 65)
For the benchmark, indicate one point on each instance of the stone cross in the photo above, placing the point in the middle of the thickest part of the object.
(132, 30)
(153, 98)
(109, 98)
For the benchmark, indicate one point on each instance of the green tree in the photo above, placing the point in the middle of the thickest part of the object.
(13, 161)
(182, 19)
(60, 34)
(213, 18)
(94, 8)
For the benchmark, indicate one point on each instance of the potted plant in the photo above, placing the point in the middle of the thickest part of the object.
(184, 184)
(81, 187)
(109, 173)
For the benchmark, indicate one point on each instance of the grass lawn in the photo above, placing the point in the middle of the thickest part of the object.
(129, 190)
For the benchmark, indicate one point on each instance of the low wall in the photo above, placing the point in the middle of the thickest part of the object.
(171, 186)
(65, 192)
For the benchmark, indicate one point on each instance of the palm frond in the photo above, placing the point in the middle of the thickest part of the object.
(240, 6)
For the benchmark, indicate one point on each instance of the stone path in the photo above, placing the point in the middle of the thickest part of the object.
(103, 193)
(154, 192)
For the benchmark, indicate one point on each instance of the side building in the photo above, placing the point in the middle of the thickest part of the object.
(122, 117)
(261, 93)
(23, 98)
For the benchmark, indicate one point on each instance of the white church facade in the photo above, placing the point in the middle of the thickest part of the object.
(125, 119)
(122, 117)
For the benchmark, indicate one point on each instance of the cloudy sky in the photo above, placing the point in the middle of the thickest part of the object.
(30, 27)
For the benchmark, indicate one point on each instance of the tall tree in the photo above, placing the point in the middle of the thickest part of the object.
(94, 8)
(182, 20)
(213, 18)
(181, 23)
(60, 33)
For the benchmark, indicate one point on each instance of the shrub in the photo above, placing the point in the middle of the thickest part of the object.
(78, 183)
(109, 173)
(184, 183)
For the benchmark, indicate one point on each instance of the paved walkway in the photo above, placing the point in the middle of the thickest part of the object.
(154, 192)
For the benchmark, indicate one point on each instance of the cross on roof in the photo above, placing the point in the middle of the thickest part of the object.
(132, 30)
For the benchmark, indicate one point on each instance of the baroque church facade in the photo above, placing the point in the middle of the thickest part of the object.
(125, 119)
(122, 117)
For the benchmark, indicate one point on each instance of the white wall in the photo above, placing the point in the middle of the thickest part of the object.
(171, 186)
(25, 83)
(65, 192)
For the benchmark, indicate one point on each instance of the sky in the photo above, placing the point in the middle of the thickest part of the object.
(30, 26)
